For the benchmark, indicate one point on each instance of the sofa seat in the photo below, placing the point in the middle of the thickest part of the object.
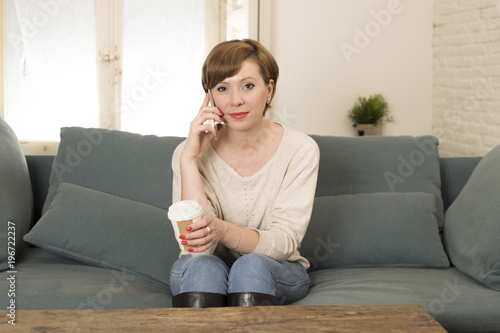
(458, 302)
(46, 280)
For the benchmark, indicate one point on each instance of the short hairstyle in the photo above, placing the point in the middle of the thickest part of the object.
(226, 58)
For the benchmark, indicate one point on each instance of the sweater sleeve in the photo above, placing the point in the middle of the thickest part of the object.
(291, 211)
(176, 181)
(176, 169)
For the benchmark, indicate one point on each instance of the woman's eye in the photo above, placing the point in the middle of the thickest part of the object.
(221, 89)
(249, 86)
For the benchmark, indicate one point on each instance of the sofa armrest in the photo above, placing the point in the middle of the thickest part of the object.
(455, 172)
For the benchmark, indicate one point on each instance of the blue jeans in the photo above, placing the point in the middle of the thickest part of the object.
(249, 273)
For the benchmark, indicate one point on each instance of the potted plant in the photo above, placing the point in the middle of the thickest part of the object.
(369, 114)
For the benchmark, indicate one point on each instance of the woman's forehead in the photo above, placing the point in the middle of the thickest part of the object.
(248, 70)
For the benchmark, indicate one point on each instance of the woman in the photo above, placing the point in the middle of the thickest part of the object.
(255, 180)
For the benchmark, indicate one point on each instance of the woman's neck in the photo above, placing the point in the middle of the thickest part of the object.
(247, 152)
(251, 139)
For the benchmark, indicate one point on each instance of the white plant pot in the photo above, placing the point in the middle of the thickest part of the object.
(369, 129)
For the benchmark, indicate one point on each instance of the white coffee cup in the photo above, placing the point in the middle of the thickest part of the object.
(181, 215)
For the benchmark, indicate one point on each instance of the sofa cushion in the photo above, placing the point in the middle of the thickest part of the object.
(124, 164)
(374, 229)
(121, 164)
(105, 230)
(379, 164)
(472, 223)
(455, 300)
(51, 281)
(16, 198)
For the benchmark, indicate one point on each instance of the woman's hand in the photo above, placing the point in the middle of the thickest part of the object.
(230, 235)
(197, 234)
(199, 134)
(198, 139)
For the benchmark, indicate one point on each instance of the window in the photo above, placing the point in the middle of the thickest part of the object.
(163, 52)
(238, 19)
(118, 64)
(51, 67)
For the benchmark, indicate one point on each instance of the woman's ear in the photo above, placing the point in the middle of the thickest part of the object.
(270, 88)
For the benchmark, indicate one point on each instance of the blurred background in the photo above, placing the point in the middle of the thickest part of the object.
(136, 66)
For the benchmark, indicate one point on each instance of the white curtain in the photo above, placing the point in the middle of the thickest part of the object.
(51, 67)
(163, 52)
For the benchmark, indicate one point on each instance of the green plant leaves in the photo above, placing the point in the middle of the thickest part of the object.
(371, 110)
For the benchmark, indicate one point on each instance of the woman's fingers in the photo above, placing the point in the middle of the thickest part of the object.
(202, 234)
(200, 244)
(203, 228)
(201, 131)
(199, 228)
(206, 100)
(212, 110)
(207, 113)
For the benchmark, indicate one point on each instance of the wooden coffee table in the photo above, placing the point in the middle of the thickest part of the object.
(372, 318)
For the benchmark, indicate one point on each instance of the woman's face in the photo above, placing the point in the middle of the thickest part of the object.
(243, 97)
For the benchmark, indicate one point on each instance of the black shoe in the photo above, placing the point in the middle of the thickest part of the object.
(252, 299)
(197, 299)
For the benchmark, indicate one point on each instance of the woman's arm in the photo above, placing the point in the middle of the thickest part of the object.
(286, 224)
(234, 237)
(240, 239)
(191, 182)
(198, 139)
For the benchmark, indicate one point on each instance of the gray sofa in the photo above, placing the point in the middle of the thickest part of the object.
(102, 239)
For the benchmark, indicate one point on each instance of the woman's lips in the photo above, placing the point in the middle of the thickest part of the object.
(238, 115)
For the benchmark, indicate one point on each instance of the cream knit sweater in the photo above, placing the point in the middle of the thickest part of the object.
(276, 201)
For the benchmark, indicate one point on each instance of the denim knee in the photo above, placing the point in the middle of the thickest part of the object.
(206, 273)
(261, 274)
(252, 273)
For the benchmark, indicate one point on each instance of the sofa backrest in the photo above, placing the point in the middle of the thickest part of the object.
(455, 172)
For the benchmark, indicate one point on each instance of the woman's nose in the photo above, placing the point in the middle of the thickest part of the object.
(236, 99)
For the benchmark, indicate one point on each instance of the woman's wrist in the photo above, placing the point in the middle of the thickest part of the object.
(229, 231)
(238, 242)
(191, 182)
(187, 159)
(239, 239)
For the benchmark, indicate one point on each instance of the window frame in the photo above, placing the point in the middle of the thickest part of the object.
(109, 40)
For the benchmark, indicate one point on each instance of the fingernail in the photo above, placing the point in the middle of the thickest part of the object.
(190, 250)
(221, 113)
(189, 228)
(222, 120)
(182, 236)
(184, 242)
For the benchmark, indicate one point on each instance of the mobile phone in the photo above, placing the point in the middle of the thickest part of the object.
(212, 122)
(211, 97)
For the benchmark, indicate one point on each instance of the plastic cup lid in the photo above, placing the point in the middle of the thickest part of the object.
(184, 210)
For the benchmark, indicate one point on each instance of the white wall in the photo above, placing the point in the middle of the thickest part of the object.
(467, 76)
(318, 84)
